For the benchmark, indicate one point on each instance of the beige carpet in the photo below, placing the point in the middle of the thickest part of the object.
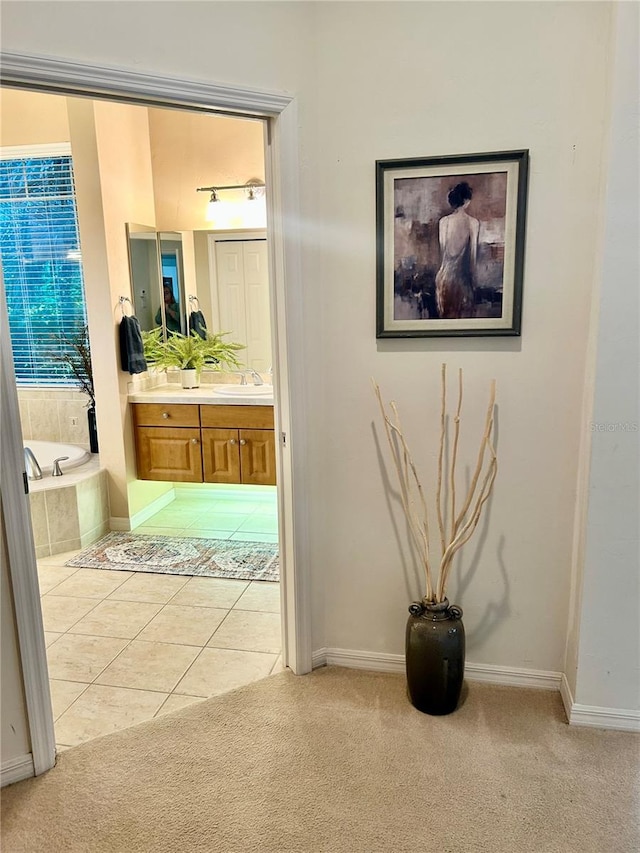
(338, 762)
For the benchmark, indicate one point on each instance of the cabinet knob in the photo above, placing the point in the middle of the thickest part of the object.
(243, 441)
(165, 415)
(232, 441)
(194, 441)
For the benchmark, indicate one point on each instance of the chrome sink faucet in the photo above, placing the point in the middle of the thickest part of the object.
(257, 379)
(33, 469)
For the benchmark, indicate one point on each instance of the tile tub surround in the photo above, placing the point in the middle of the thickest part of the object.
(72, 513)
(124, 647)
(47, 414)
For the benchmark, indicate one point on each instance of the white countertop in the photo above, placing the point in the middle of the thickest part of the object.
(174, 393)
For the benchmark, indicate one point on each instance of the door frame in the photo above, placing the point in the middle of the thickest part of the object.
(280, 112)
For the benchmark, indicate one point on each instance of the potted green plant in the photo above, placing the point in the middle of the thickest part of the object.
(74, 352)
(190, 353)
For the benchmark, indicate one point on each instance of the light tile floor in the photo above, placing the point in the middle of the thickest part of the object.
(244, 513)
(124, 647)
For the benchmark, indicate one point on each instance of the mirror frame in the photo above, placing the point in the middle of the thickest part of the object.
(178, 287)
(156, 284)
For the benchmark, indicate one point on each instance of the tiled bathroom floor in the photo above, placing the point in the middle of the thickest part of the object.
(219, 513)
(124, 647)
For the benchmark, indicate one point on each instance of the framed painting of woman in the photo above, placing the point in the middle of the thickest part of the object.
(450, 244)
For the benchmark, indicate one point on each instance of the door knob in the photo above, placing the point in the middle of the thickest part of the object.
(243, 441)
(194, 441)
(165, 415)
(232, 441)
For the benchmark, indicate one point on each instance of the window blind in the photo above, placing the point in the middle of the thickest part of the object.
(41, 263)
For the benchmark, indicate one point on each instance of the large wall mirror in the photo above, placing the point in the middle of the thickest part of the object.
(157, 278)
(229, 271)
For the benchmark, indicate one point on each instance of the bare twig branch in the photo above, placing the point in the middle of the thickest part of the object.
(479, 463)
(423, 504)
(454, 454)
(467, 531)
(443, 403)
(464, 524)
(419, 533)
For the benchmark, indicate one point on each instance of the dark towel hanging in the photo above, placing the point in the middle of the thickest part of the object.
(131, 346)
(198, 324)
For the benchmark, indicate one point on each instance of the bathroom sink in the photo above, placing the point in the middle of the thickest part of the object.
(243, 390)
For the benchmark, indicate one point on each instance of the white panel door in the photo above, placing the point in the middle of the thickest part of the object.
(231, 299)
(242, 275)
(256, 295)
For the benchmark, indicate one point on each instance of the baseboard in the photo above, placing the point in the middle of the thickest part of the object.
(594, 716)
(380, 662)
(619, 719)
(567, 696)
(93, 535)
(120, 524)
(511, 676)
(16, 769)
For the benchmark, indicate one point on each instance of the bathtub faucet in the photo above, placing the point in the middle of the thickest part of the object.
(34, 471)
(57, 470)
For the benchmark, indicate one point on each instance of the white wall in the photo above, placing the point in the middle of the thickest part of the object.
(606, 656)
(477, 89)
(381, 80)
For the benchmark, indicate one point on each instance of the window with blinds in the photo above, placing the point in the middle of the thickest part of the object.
(41, 264)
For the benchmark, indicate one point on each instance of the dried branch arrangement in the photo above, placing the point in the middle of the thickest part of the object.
(456, 527)
(74, 352)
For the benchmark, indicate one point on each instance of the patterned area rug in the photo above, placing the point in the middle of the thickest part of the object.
(172, 555)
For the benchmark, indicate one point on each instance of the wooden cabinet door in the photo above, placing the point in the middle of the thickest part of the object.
(221, 455)
(169, 454)
(258, 456)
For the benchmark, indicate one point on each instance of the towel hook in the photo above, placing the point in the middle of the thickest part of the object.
(121, 303)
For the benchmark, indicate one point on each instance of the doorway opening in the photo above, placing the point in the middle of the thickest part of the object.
(247, 600)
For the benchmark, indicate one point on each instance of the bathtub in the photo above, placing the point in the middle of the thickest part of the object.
(46, 451)
(71, 511)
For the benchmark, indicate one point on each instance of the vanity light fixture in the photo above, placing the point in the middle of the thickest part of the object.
(253, 188)
(211, 205)
(254, 191)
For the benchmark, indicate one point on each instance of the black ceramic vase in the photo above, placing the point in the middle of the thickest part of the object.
(435, 656)
(93, 430)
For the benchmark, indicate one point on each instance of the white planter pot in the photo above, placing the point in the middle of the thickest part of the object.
(189, 378)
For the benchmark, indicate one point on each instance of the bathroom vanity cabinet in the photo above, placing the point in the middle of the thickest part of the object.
(189, 443)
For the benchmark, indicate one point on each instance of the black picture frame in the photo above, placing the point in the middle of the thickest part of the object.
(443, 272)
